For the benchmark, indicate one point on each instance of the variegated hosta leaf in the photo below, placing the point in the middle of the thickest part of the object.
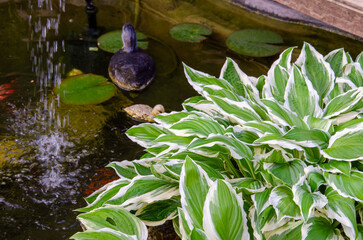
(238, 79)
(320, 228)
(354, 73)
(346, 144)
(261, 200)
(314, 177)
(158, 212)
(144, 189)
(289, 172)
(283, 116)
(337, 60)
(337, 167)
(223, 213)
(317, 70)
(308, 138)
(197, 126)
(258, 221)
(167, 119)
(261, 127)
(130, 169)
(349, 186)
(102, 195)
(306, 199)
(198, 234)
(281, 198)
(212, 90)
(277, 76)
(102, 234)
(184, 228)
(144, 134)
(237, 112)
(277, 141)
(199, 79)
(194, 186)
(114, 218)
(250, 184)
(359, 59)
(291, 230)
(343, 102)
(237, 148)
(300, 95)
(343, 210)
(319, 123)
(200, 104)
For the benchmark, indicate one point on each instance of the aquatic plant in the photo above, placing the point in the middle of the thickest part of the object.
(274, 157)
(254, 42)
(188, 32)
(112, 41)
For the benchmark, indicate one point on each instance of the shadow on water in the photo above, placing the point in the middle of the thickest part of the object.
(50, 151)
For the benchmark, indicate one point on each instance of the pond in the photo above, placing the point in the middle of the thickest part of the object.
(52, 154)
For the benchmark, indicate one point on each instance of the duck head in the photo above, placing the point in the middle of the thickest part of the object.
(128, 38)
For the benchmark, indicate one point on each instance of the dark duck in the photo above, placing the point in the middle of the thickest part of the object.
(131, 68)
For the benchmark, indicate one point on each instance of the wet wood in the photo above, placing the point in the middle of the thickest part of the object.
(346, 15)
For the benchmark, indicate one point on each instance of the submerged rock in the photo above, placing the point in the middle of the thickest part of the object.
(131, 68)
(143, 112)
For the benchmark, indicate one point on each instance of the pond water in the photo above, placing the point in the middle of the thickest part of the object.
(51, 154)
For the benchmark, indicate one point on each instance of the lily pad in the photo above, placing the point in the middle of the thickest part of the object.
(190, 32)
(85, 89)
(112, 41)
(254, 42)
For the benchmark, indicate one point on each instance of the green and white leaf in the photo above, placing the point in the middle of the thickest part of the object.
(343, 102)
(223, 214)
(317, 70)
(300, 95)
(102, 234)
(194, 185)
(291, 230)
(337, 60)
(144, 134)
(281, 198)
(354, 73)
(346, 144)
(320, 228)
(349, 186)
(343, 210)
(289, 172)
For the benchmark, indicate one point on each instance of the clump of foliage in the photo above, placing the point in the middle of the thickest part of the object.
(274, 157)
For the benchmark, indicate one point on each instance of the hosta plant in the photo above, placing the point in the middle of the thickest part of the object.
(274, 157)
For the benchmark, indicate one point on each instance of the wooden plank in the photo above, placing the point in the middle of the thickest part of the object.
(346, 15)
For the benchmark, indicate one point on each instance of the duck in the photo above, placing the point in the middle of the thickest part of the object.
(143, 112)
(131, 68)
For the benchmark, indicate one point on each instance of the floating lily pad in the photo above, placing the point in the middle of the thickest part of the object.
(112, 41)
(254, 42)
(85, 89)
(190, 32)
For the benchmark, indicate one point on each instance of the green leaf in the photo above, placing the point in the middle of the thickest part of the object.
(278, 75)
(198, 234)
(144, 134)
(123, 170)
(156, 213)
(354, 73)
(277, 140)
(349, 186)
(308, 138)
(112, 41)
(320, 228)
(144, 189)
(289, 172)
(300, 95)
(184, 228)
(306, 199)
(194, 186)
(237, 148)
(314, 177)
(116, 218)
(102, 234)
(250, 184)
(168, 119)
(98, 198)
(223, 213)
(85, 89)
(238, 79)
(337, 167)
(343, 210)
(317, 70)
(200, 127)
(337, 60)
(346, 144)
(190, 32)
(291, 230)
(263, 127)
(283, 116)
(343, 102)
(254, 42)
(281, 199)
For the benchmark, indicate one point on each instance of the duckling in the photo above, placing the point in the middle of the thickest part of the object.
(143, 112)
(131, 68)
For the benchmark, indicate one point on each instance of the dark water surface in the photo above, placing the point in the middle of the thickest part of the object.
(49, 151)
